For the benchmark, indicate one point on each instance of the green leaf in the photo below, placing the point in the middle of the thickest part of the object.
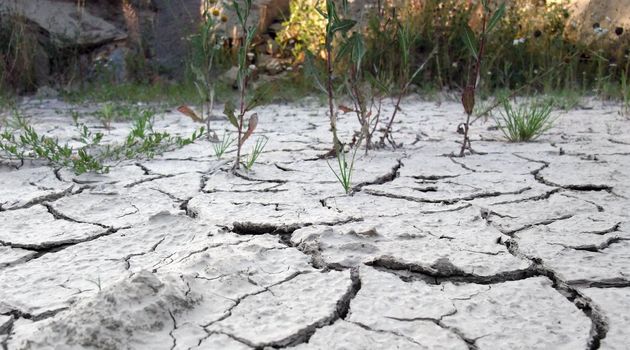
(496, 18)
(345, 48)
(358, 49)
(470, 40)
(377, 83)
(228, 110)
(331, 11)
(343, 25)
(353, 46)
(344, 6)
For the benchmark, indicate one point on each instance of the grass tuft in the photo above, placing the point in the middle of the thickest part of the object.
(525, 122)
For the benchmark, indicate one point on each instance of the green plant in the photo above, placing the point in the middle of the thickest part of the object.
(489, 21)
(525, 122)
(334, 25)
(207, 46)
(20, 141)
(245, 102)
(344, 176)
(261, 142)
(221, 147)
(106, 115)
(143, 142)
(406, 37)
(565, 99)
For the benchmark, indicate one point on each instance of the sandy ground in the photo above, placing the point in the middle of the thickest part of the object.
(522, 246)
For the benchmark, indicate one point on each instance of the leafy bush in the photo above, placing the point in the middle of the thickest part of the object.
(305, 29)
(525, 122)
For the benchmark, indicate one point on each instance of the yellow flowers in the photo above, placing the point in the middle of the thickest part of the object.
(216, 12)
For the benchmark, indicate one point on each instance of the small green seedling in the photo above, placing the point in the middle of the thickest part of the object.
(221, 147)
(261, 142)
(106, 115)
(344, 176)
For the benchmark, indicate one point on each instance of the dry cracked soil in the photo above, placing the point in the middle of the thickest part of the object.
(520, 246)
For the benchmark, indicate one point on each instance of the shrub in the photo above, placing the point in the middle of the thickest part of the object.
(305, 30)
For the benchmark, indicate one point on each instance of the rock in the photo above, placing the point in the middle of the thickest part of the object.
(174, 23)
(46, 92)
(66, 26)
(42, 70)
(267, 47)
(270, 65)
(111, 64)
(592, 20)
(230, 76)
(263, 13)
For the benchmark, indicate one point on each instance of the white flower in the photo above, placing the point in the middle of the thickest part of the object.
(518, 41)
(454, 64)
(252, 67)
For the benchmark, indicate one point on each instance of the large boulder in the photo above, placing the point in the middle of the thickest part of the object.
(66, 24)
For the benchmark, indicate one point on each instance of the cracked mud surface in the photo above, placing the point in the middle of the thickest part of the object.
(521, 246)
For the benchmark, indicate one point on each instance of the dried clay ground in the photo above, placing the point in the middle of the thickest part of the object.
(521, 246)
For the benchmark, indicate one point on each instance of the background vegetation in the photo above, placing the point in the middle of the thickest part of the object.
(532, 50)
